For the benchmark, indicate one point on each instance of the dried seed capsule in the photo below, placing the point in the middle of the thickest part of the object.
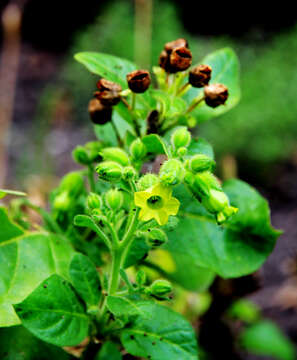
(108, 92)
(170, 46)
(139, 81)
(200, 76)
(164, 60)
(99, 113)
(215, 95)
(180, 59)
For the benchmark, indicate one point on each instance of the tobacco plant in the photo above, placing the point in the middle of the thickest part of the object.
(144, 217)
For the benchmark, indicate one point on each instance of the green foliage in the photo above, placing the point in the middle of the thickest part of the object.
(160, 333)
(265, 338)
(17, 343)
(53, 313)
(49, 281)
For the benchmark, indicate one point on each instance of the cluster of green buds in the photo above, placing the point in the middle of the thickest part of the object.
(207, 189)
(69, 190)
(87, 154)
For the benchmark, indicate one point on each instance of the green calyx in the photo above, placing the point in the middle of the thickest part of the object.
(110, 171)
(171, 172)
(115, 154)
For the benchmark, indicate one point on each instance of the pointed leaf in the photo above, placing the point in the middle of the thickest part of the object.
(53, 313)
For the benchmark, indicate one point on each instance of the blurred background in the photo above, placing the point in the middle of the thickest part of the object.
(44, 95)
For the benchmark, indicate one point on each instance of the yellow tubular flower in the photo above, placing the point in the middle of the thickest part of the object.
(156, 203)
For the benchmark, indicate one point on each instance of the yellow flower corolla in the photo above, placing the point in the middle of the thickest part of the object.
(156, 203)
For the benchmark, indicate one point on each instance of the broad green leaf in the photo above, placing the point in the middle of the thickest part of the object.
(200, 146)
(25, 261)
(238, 248)
(108, 66)
(265, 338)
(106, 134)
(53, 313)
(121, 306)
(225, 70)
(85, 280)
(154, 144)
(9, 229)
(137, 251)
(4, 192)
(160, 334)
(17, 343)
(108, 351)
(114, 69)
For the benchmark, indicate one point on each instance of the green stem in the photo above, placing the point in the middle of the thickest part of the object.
(195, 104)
(91, 178)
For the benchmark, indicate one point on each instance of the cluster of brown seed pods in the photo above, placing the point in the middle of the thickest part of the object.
(175, 57)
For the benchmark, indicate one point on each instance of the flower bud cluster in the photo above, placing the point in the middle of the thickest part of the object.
(70, 188)
(88, 153)
(207, 189)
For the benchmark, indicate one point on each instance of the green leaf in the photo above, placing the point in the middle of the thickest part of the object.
(137, 251)
(106, 134)
(25, 261)
(155, 144)
(200, 146)
(160, 333)
(238, 248)
(85, 280)
(265, 338)
(124, 306)
(108, 66)
(53, 313)
(17, 343)
(4, 192)
(108, 351)
(171, 106)
(225, 70)
(9, 229)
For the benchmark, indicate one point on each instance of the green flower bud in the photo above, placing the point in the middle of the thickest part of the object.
(62, 201)
(138, 149)
(182, 151)
(93, 148)
(140, 278)
(216, 201)
(226, 213)
(80, 155)
(160, 288)
(204, 182)
(96, 212)
(110, 171)
(180, 138)
(156, 237)
(171, 172)
(201, 162)
(94, 201)
(147, 181)
(129, 173)
(114, 199)
(189, 178)
(73, 183)
(115, 154)
(191, 122)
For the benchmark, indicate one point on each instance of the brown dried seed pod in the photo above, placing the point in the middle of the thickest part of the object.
(139, 81)
(109, 92)
(174, 44)
(164, 60)
(99, 113)
(180, 59)
(215, 94)
(200, 75)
